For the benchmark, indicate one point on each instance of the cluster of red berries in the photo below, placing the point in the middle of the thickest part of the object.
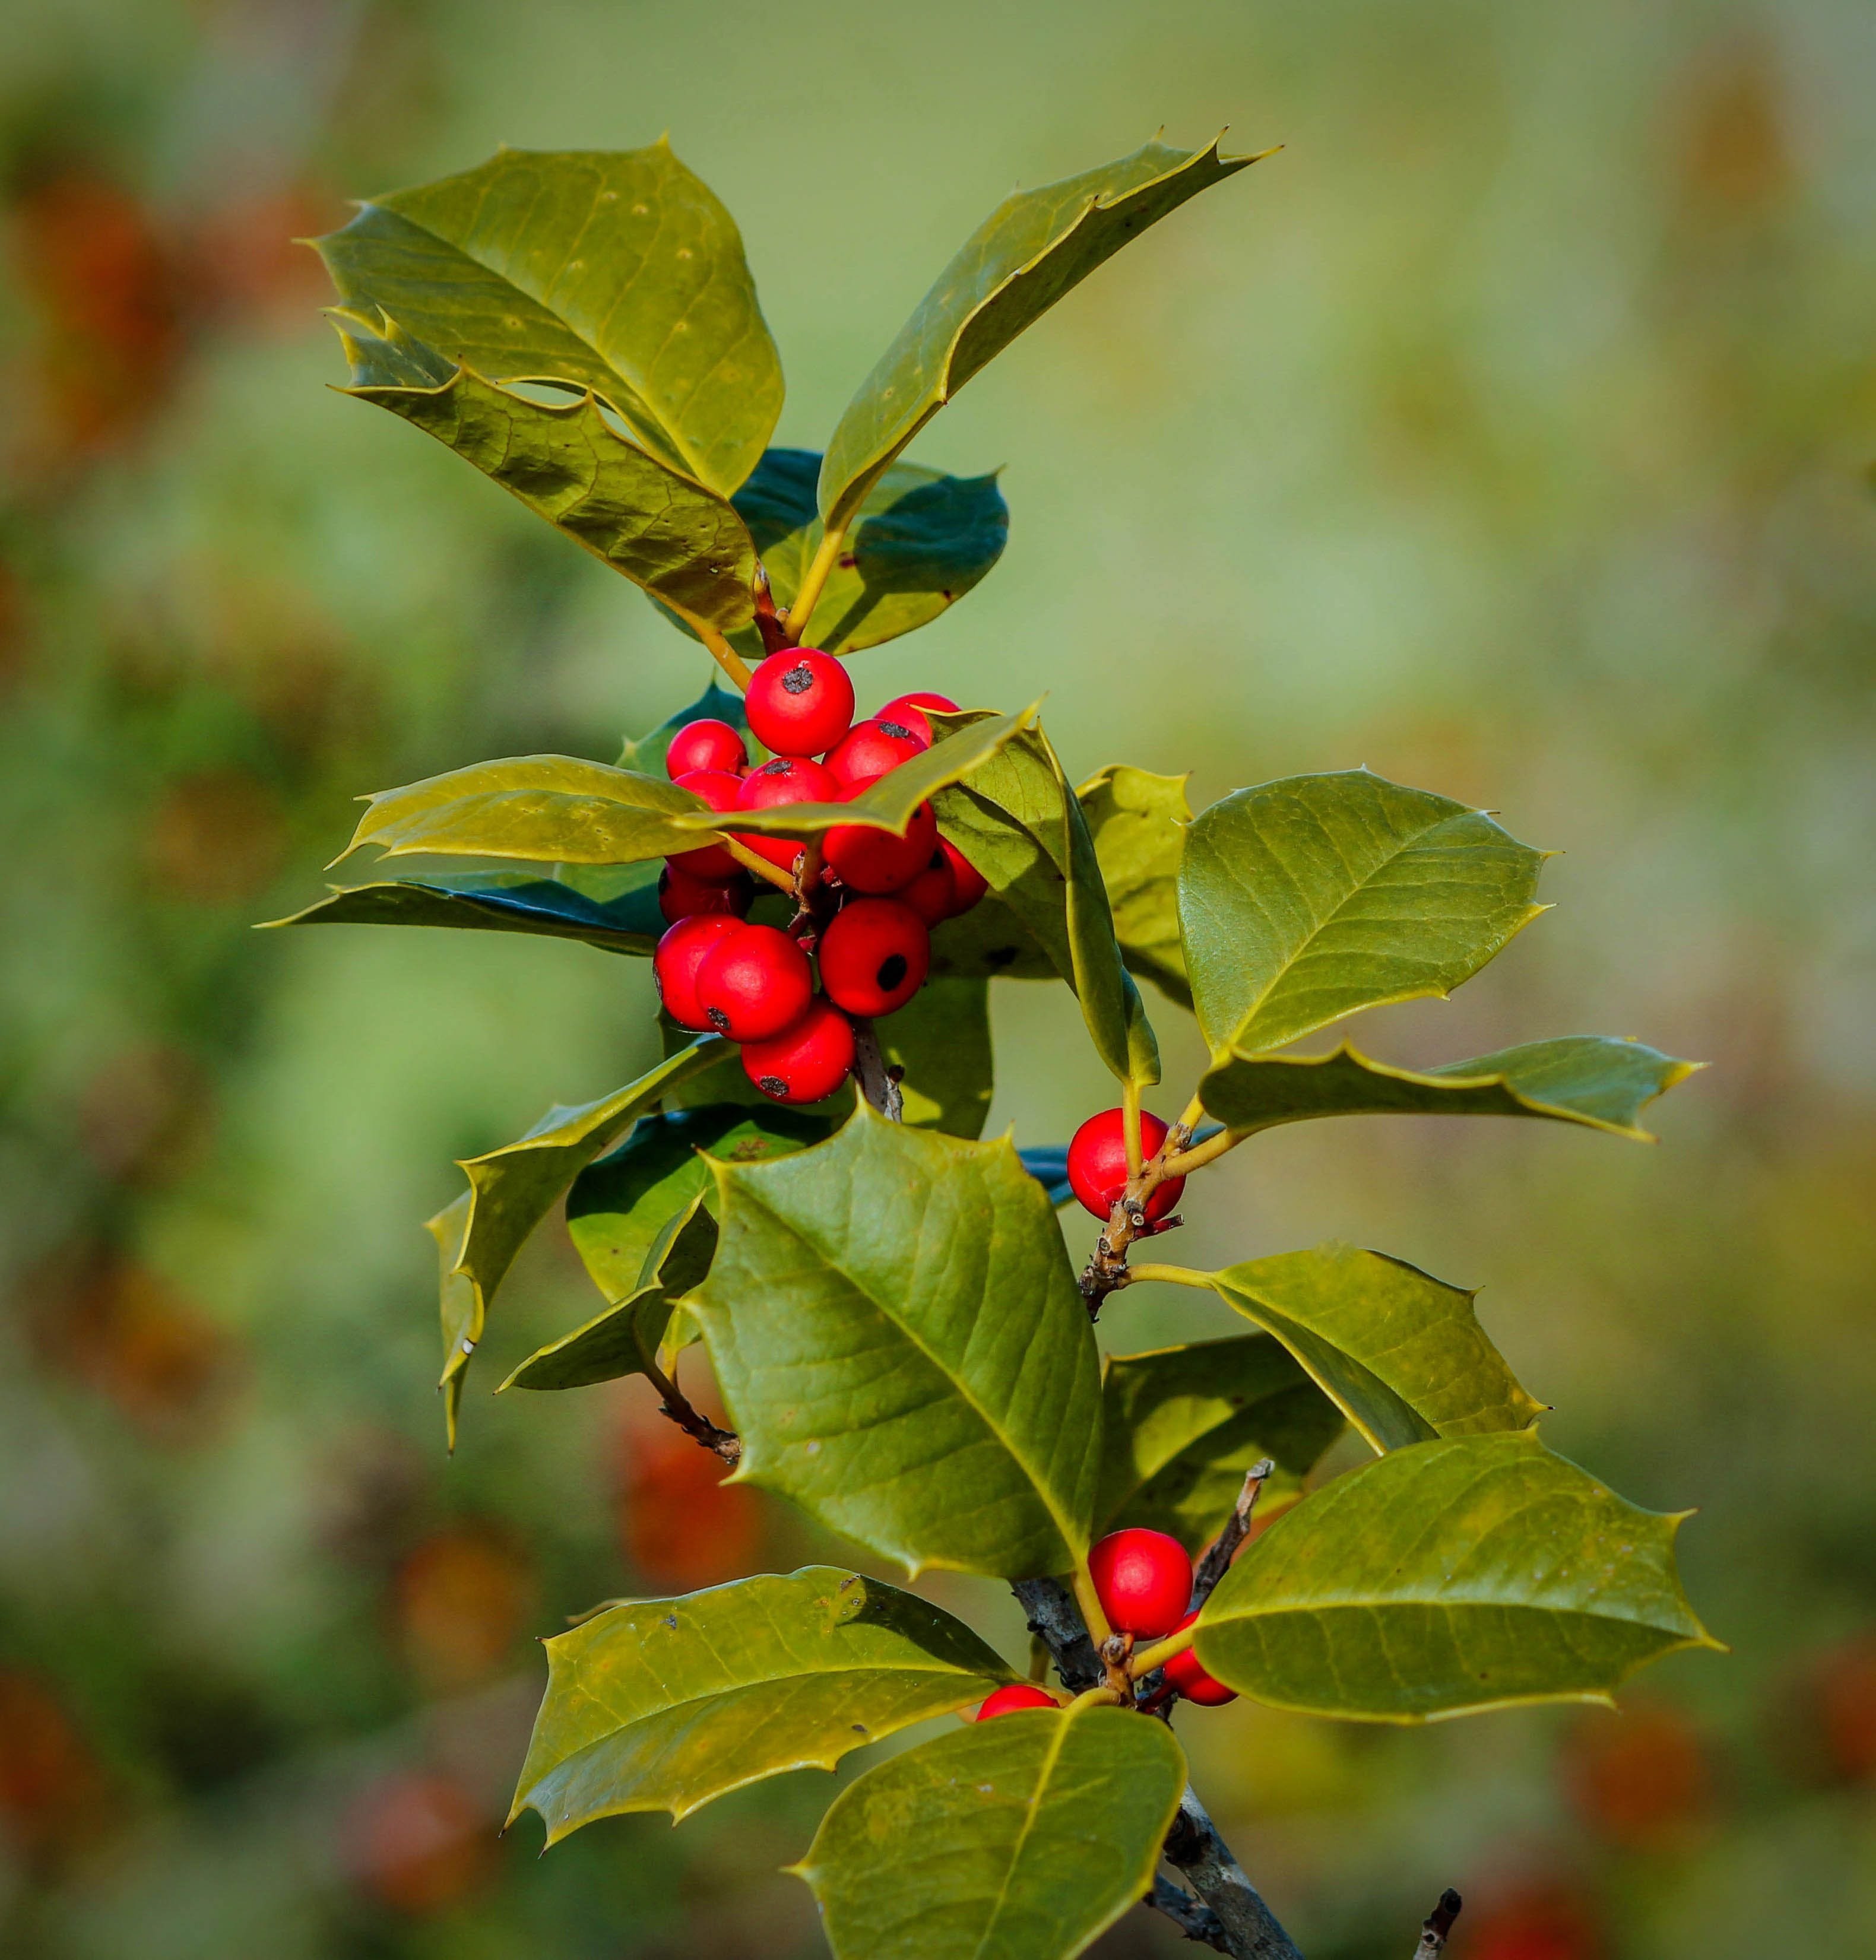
(1143, 1580)
(717, 973)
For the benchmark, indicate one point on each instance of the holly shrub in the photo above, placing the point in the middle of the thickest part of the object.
(890, 1309)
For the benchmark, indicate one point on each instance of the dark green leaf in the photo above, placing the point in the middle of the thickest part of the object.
(988, 943)
(1137, 822)
(663, 1704)
(615, 271)
(901, 1343)
(1034, 248)
(461, 1306)
(942, 1038)
(1024, 1838)
(646, 756)
(1452, 1577)
(498, 901)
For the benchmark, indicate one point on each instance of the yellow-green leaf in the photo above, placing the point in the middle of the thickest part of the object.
(1137, 822)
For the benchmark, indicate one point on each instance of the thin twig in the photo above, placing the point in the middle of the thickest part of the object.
(694, 1424)
(775, 635)
(877, 1082)
(1217, 1560)
(1195, 1921)
(1438, 1924)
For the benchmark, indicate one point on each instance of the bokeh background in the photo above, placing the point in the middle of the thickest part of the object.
(1511, 433)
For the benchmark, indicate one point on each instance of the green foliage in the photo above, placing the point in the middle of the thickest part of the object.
(499, 902)
(1020, 1839)
(941, 1038)
(645, 754)
(1137, 822)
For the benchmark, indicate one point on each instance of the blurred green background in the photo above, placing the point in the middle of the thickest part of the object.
(1509, 433)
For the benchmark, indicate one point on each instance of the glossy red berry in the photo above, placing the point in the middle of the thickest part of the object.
(800, 701)
(1191, 1681)
(1016, 1694)
(1097, 1163)
(874, 954)
(1143, 1579)
(932, 893)
(753, 983)
(806, 1061)
(711, 862)
(705, 745)
(679, 953)
(874, 747)
(875, 861)
(788, 779)
(908, 710)
(681, 896)
(968, 884)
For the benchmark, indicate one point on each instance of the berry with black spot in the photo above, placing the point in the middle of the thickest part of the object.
(968, 884)
(806, 1061)
(753, 983)
(1097, 1164)
(705, 745)
(932, 893)
(873, 748)
(800, 701)
(908, 710)
(1143, 1580)
(875, 861)
(679, 953)
(1191, 1681)
(710, 862)
(874, 954)
(787, 779)
(1016, 1694)
(680, 896)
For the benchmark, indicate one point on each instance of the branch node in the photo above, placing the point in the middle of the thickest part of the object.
(1437, 1925)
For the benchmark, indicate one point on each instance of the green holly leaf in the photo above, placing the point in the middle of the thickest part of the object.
(612, 270)
(664, 1704)
(1399, 1353)
(498, 901)
(942, 1038)
(683, 543)
(646, 756)
(1022, 1838)
(1137, 822)
(1590, 1079)
(1311, 898)
(987, 943)
(461, 1306)
(1181, 1426)
(1035, 247)
(896, 1329)
(1015, 819)
(1473, 1572)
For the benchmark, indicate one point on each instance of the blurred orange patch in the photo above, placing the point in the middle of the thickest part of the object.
(243, 261)
(419, 1843)
(681, 1525)
(216, 836)
(1542, 1921)
(54, 1796)
(1824, 1722)
(144, 1114)
(463, 1600)
(1642, 1780)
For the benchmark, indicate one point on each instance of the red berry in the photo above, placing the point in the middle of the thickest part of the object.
(753, 983)
(874, 955)
(705, 745)
(969, 884)
(932, 893)
(788, 779)
(874, 747)
(680, 896)
(1097, 1163)
(1017, 1694)
(1191, 1681)
(711, 862)
(804, 1062)
(800, 701)
(875, 860)
(1143, 1579)
(905, 709)
(679, 953)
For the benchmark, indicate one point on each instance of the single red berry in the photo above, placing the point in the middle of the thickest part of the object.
(907, 709)
(968, 884)
(1191, 1681)
(705, 745)
(932, 893)
(1017, 1694)
(873, 861)
(1143, 1579)
(1097, 1163)
(753, 983)
(800, 701)
(874, 747)
(806, 1061)
(787, 779)
(679, 953)
(711, 862)
(874, 955)
(680, 896)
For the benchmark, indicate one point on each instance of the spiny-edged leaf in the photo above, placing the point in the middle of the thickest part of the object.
(1313, 897)
(1455, 1576)
(1182, 1425)
(550, 809)
(498, 901)
(683, 544)
(1034, 248)
(1015, 819)
(942, 1038)
(1024, 1838)
(988, 943)
(513, 1188)
(1138, 821)
(922, 541)
(460, 1305)
(895, 1327)
(1401, 1353)
(615, 271)
(646, 755)
(625, 1339)
(663, 1704)
(1594, 1080)
(888, 804)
